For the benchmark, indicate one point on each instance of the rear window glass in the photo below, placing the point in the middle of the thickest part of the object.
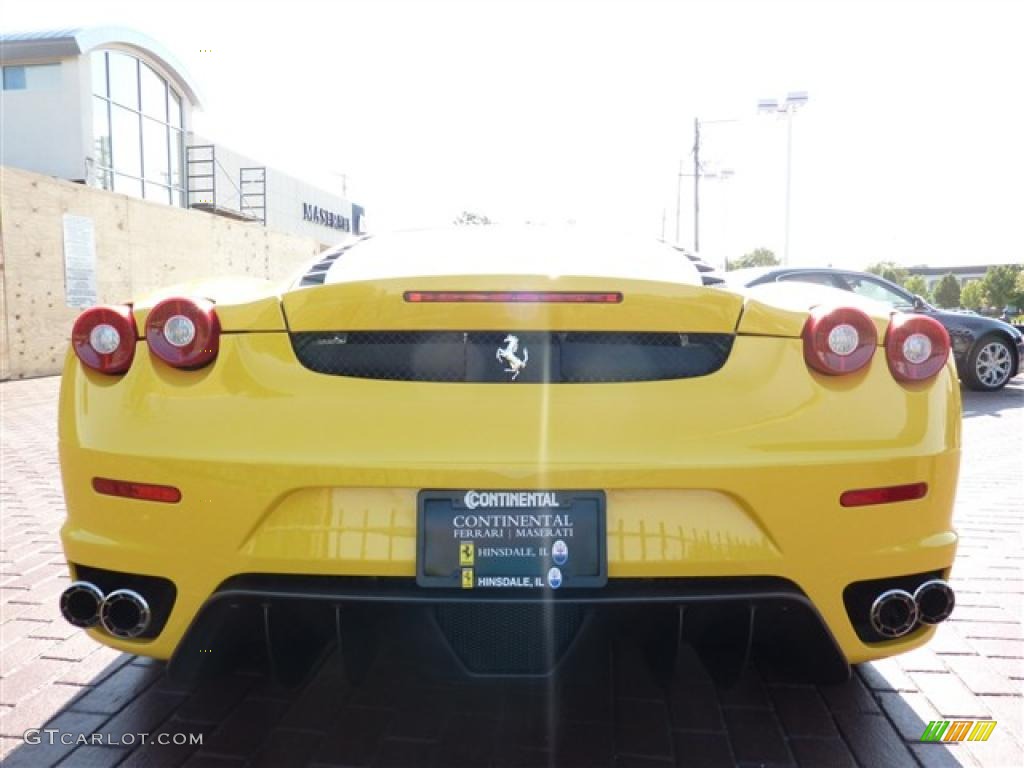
(496, 250)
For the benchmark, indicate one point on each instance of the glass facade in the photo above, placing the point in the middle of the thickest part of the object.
(101, 132)
(155, 146)
(154, 94)
(175, 105)
(124, 79)
(137, 121)
(125, 145)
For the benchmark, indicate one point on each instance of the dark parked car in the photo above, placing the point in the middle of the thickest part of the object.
(988, 352)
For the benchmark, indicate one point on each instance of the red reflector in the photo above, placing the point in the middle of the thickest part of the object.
(513, 297)
(866, 496)
(142, 491)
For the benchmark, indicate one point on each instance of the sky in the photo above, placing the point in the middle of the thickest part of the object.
(909, 149)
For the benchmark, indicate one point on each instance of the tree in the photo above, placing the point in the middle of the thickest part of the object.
(759, 257)
(1018, 286)
(471, 219)
(971, 295)
(916, 285)
(947, 292)
(889, 270)
(998, 285)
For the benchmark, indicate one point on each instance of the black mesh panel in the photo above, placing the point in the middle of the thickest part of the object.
(510, 639)
(559, 358)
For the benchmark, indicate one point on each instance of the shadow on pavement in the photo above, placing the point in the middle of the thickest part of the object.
(607, 706)
(996, 404)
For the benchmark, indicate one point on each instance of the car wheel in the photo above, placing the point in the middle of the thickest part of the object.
(990, 365)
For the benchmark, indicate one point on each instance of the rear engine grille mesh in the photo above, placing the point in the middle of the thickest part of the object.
(574, 357)
(510, 639)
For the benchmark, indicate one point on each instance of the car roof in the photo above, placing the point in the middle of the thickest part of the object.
(746, 275)
(751, 274)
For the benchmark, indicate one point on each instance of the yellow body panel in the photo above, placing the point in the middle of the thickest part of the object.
(373, 530)
(283, 470)
(243, 303)
(780, 309)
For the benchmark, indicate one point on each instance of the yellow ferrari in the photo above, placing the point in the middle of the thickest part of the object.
(515, 431)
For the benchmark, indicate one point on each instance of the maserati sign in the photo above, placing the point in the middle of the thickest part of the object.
(330, 219)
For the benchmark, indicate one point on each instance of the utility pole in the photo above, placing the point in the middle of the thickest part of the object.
(696, 185)
(697, 173)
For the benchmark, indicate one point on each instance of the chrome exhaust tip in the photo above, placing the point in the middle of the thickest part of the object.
(935, 601)
(80, 604)
(125, 613)
(894, 613)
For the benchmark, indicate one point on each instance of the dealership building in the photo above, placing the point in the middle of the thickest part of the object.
(112, 108)
(107, 194)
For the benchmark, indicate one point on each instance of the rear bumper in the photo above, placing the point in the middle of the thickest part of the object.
(291, 620)
(287, 472)
(502, 632)
(805, 539)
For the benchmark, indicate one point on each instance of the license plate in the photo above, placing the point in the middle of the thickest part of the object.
(511, 539)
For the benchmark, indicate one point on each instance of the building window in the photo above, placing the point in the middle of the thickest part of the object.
(32, 77)
(137, 138)
(175, 106)
(104, 179)
(126, 148)
(124, 79)
(154, 94)
(158, 192)
(126, 185)
(154, 140)
(177, 150)
(101, 133)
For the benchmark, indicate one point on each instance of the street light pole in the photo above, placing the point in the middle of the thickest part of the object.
(789, 180)
(794, 100)
(679, 197)
(696, 185)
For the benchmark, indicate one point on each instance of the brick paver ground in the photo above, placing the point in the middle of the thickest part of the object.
(54, 676)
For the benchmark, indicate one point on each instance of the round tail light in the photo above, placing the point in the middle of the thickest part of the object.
(104, 338)
(839, 340)
(916, 347)
(183, 332)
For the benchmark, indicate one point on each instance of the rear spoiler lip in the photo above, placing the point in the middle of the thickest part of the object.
(440, 302)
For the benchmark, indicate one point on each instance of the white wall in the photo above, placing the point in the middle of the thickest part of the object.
(285, 195)
(46, 130)
(140, 246)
